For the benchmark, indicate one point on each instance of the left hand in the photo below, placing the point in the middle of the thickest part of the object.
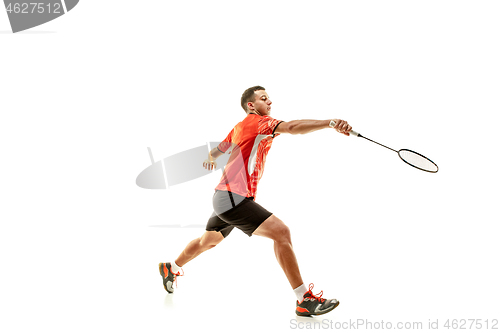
(342, 126)
(209, 164)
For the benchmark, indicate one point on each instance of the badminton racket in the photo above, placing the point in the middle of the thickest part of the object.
(408, 156)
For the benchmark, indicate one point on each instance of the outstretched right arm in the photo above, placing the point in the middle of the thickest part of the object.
(308, 126)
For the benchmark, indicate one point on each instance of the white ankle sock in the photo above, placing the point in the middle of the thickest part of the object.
(175, 268)
(300, 291)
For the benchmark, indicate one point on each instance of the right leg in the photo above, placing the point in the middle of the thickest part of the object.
(275, 229)
(308, 304)
(199, 245)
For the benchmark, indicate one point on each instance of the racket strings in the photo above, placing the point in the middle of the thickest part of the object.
(418, 161)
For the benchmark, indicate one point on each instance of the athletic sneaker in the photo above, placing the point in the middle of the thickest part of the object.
(168, 276)
(314, 304)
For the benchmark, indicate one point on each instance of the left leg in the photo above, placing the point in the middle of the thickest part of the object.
(199, 245)
(216, 231)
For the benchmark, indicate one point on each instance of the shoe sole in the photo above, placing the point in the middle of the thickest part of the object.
(316, 314)
(168, 286)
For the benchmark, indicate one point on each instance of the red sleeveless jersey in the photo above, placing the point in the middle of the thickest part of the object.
(249, 142)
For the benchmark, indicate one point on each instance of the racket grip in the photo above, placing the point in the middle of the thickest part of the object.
(354, 133)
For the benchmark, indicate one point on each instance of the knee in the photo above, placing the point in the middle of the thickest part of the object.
(282, 234)
(206, 244)
(209, 243)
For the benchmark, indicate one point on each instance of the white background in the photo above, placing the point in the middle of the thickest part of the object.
(83, 96)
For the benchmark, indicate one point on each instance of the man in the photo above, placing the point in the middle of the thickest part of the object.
(234, 198)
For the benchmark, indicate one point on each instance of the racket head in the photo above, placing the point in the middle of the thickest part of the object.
(418, 161)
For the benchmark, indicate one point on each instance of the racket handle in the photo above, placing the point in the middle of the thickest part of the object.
(351, 132)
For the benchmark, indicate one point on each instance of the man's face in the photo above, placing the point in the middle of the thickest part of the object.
(262, 103)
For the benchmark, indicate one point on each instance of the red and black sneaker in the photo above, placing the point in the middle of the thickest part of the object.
(168, 276)
(314, 304)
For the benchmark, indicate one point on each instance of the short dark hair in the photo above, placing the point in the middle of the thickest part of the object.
(249, 96)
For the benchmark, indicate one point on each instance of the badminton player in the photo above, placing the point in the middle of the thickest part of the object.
(234, 198)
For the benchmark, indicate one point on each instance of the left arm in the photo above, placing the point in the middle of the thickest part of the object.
(210, 163)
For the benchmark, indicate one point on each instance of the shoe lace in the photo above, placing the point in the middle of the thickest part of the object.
(176, 275)
(317, 296)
